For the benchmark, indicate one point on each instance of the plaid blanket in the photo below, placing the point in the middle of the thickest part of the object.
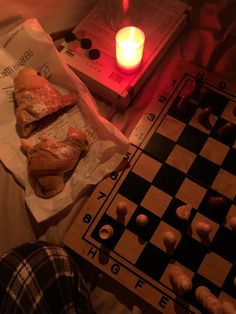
(41, 278)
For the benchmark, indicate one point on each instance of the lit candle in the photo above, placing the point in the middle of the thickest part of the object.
(129, 48)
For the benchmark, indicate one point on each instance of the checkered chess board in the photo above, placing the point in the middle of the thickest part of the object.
(173, 160)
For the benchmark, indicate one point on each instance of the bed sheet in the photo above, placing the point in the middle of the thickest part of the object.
(210, 42)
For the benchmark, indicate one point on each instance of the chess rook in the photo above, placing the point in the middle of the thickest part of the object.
(183, 212)
(203, 229)
(106, 232)
(198, 83)
(180, 281)
(208, 300)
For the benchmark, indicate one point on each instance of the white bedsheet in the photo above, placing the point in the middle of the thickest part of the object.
(209, 42)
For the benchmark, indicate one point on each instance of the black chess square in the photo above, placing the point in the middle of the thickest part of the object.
(213, 212)
(117, 227)
(203, 170)
(171, 218)
(144, 232)
(180, 115)
(190, 252)
(226, 139)
(214, 100)
(153, 261)
(159, 147)
(192, 139)
(168, 179)
(228, 285)
(229, 162)
(223, 244)
(198, 281)
(134, 187)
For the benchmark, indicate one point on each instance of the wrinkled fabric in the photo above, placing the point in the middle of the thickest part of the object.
(41, 278)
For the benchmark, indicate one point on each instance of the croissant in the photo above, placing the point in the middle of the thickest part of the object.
(35, 99)
(50, 161)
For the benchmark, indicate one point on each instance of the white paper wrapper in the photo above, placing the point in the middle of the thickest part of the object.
(29, 46)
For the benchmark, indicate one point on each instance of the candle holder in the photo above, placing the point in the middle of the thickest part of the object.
(129, 49)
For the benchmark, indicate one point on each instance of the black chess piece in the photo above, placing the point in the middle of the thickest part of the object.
(204, 118)
(198, 83)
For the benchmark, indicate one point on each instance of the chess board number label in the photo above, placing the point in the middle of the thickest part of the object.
(127, 156)
(87, 218)
(222, 85)
(151, 117)
(101, 195)
(114, 175)
(162, 99)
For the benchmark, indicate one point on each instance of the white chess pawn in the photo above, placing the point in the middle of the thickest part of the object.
(141, 220)
(183, 212)
(232, 223)
(106, 232)
(169, 239)
(208, 300)
(229, 308)
(179, 279)
(121, 209)
(203, 229)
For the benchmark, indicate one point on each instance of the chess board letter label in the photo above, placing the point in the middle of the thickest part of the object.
(115, 268)
(92, 252)
(163, 301)
(139, 284)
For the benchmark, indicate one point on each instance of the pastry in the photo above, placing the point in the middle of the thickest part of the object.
(51, 161)
(35, 99)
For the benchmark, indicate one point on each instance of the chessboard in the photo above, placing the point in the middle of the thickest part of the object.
(165, 225)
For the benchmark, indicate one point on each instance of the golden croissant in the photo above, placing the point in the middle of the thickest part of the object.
(35, 99)
(51, 161)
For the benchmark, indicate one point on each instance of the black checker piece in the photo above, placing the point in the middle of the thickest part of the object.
(213, 212)
(159, 147)
(153, 261)
(144, 232)
(118, 231)
(171, 218)
(228, 285)
(223, 244)
(190, 252)
(192, 139)
(168, 179)
(203, 170)
(180, 115)
(214, 100)
(69, 37)
(229, 162)
(134, 187)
